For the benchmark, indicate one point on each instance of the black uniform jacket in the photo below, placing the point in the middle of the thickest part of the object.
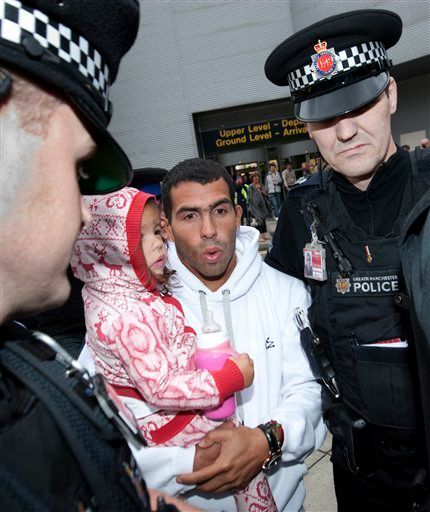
(415, 252)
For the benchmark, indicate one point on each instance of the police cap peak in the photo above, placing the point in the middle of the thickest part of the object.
(75, 46)
(336, 65)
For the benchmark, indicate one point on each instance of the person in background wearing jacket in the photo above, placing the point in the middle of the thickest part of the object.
(218, 268)
(259, 208)
(288, 177)
(273, 187)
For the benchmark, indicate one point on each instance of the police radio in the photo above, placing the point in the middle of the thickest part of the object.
(343, 264)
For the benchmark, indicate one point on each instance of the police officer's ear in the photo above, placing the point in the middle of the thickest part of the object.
(392, 94)
(310, 131)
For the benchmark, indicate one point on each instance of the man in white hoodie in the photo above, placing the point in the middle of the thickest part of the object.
(219, 269)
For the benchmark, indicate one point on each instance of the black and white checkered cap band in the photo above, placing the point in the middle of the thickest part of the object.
(17, 21)
(354, 57)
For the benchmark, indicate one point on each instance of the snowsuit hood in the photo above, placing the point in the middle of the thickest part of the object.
(108, 254)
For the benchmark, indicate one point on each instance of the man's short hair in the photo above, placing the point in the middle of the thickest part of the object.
(196, 170)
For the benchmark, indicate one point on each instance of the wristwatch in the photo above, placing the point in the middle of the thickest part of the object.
(275, 437)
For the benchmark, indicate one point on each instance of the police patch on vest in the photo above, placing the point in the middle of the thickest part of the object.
(364, 283)
(343, 285)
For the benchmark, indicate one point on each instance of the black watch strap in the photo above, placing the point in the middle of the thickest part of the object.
(275, 437)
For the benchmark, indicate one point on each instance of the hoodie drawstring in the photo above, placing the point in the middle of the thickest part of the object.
(203, 306)
(227, 316)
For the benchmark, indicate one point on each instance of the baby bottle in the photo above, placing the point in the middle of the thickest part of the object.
(212, 350)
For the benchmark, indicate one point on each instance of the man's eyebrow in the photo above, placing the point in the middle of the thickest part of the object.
(224, 200)
(186, 208)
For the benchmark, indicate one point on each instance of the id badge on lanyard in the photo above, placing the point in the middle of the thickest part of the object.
(314, 258)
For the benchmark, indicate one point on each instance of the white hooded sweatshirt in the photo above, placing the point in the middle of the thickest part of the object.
(261, 301)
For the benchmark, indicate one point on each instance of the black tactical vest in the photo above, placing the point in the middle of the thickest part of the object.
(355, 315)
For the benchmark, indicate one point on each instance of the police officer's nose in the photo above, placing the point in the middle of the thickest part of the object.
(346, 128)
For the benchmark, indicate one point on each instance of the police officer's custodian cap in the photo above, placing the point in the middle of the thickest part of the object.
(76, 47)
(336, 65)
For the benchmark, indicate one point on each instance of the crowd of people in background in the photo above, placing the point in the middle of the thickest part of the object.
(261, 194)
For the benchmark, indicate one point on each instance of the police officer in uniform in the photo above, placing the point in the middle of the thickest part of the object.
(62, 444)
(346, 222)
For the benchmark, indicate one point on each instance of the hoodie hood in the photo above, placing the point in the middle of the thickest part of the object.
(243, 276)
(108, 254)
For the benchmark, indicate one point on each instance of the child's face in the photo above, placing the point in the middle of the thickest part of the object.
(153, 246)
